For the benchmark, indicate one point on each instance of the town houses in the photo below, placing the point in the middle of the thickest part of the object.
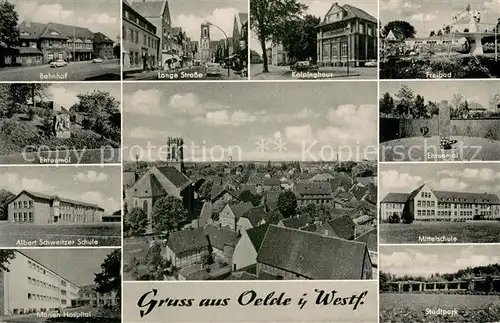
(426, 204)
(239, 226)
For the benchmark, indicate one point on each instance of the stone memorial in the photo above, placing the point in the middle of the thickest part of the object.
(62, 126)
(444, 118)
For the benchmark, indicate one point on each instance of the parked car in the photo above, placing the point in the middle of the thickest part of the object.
(213, 69)
(97, 60)
(304, 66)
(59, 63)
(371, 63)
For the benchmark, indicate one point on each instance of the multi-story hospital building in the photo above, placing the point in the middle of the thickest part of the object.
(31, 287)
(37, 208)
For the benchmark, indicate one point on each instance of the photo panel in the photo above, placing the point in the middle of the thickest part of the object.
(430, 203)
(60, 123)
(314, 40)
(449, 283)
(454, 121)
(60, 285)
(439, 39)
(60, 40)
(226, 184)
(60, 206)
(181, 40)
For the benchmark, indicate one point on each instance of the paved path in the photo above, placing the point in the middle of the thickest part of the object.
(183, 74)
(75, 71)
(285, 73)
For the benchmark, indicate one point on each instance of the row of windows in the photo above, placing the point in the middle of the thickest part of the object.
(133, 36)
(394, 205)
(69, 44)
(36, 282)
(426, 212)
(426, 195)
(463, 206)
(22, 204)
(22, 217)
(46, 298)
(19, 311)
(41, 270)
(426, 203)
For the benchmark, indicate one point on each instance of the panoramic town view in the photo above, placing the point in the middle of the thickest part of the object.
(55, 40)
(61, 285)
(439, 39)
(185, 40)
(60, 207)
(446, 284)
(255, 213)
(309, 39)
(432, 204)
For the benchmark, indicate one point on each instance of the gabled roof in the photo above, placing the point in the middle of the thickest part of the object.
(343, 227)
(51, 198)
(257, 235)
(272, 181)
(71, 31)
(175, 176)
(395, 198)
(352, 12)
(205, 214)
(219, 237)
(156, 181)
(370, 238)
(312, 255)
(218, 190)
(255, 215)
(240, 209)
(321, 177)
(149, 9)
(313, 188)
(187, 240)
(296, 222)
(241, 275)
(101, 38)
(466, 197)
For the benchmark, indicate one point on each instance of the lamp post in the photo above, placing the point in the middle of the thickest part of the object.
(227, 44)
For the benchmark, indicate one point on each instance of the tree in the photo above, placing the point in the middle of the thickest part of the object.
(439, 33)
(23, 92)
(419, 110)
(168, 214)
(110, 279)
(386, 103)
(432, 109)
(407, 216)
(400, 29)
(405, 101)
(267, 19)
(394, 218)
(155, 262)
(364, 169)
(247, 196)
(287, 204)
(9, 22)
(206, 189)
(432, 34)
(299, 38)
(6, 255)
(137, 221)
(447, 29)
(495, 103)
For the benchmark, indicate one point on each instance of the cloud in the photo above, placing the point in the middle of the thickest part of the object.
(187, 103)
(144, 102)
(319, 8)
(221, 17)
(450, 184)
(305, 113)
(299, 134)
(15, 184)
(91, 177)
(109, 204)
(62, 97)
(227, 118)
(390, 5)
(46, 12)
(402, 182)
(480, 174)
(492, 4)
(351, 124)
(101, 19)
(423, 17)
(145, 133)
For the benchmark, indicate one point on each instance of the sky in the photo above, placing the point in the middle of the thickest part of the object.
(96, 15)
(64, 94)
(91, 184)
(472, 177)
(428, 260)
(190, 14)
(319, 8)
(473, 91)
(76, 265)
(273, 121)
(429, 15)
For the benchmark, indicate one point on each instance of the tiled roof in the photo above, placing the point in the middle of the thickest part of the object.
(240, 209)
(257, 235)
(465, 197)
(101, 38)
(370, 238)
(71, 31)
(187, 240)
(175, 176)
(312, 255)
(218, 190)
(205, 214)
(273, 181)
(29, 50)
(296, 222)
(219, 237)
(343, 227)
(128, 178)
(255, 215)
(359, 13)
(50, 198)
(156, 181)
(313, 188)
(321, 177)
(395, 198)
(149, 9)
(241, 275)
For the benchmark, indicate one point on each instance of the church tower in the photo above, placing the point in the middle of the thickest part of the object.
(175, 153)
(205, 55)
